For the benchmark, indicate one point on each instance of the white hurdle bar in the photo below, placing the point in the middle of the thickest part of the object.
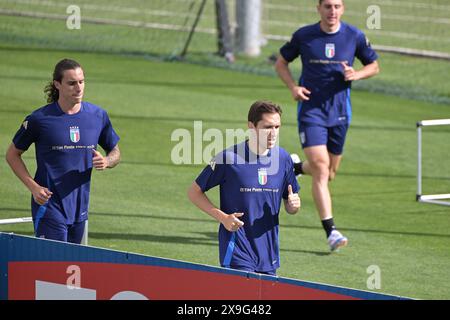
(439, 122)
(431, 198)
(16, 220)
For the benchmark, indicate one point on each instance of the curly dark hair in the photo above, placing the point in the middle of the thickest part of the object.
(50, 90)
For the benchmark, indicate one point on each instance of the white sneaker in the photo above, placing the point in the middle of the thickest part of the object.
(229, 56)
(297, 164)
(336, 240)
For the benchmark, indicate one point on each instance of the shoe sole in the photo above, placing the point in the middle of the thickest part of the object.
(340, 244)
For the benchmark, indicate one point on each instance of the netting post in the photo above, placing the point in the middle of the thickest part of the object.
(194, 26)
(248, 31)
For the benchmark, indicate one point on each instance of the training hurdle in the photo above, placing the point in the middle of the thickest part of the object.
(40, 269)
(420, 197)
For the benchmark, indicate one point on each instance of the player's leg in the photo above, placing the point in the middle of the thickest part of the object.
(314, 143)
(76, 232)
(335, 161)
(317, 165)
(303, 167)
(335, 146)
(310, 136)
(319, 162)
(323, 148)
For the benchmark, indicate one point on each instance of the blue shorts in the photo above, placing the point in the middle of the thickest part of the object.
(316, 135)
(53, 230)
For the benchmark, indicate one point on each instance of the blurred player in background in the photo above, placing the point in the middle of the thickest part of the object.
(253, 177)
(327, 50)
(225, 43)
(65, 133)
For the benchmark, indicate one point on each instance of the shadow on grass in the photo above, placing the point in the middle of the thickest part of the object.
(26, 212)
(210, 221)
(151, 238)
(30, 156)
(149, 216)
(209, 239)
(237, 123)
(402, 233)
(316, 253)
(178, 219)
(201, 84)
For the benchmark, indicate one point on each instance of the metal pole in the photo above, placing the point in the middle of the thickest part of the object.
(248, 32)
(84, 240)
(194, 26)
(15, 220)
(419, 161)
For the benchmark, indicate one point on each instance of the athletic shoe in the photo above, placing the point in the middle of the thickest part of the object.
(229, 56)
(297, 164)
(336, 240)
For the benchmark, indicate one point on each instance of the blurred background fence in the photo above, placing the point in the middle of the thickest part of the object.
(159, 29)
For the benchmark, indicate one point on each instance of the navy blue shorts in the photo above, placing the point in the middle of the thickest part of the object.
(53, 230)
(316, 135)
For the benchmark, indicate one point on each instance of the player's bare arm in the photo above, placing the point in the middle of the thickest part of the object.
(14, 158)
(298, 93)
(113, 157)
(109, 161)
(367, 71)
(199, 198)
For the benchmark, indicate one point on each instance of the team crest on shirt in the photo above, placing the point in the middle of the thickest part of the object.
(262, 176)
(212, 164)
(330, 50)
(74, 134)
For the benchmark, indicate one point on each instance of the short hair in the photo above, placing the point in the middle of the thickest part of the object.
(258, 108)
(320, 2)
(63, 65)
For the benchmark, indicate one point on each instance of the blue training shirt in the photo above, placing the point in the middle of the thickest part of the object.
(253, 185)
(322, 73)
(64, 150)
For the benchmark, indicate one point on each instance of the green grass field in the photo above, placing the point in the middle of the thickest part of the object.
(141, 206)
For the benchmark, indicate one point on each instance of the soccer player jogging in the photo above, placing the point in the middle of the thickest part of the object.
(327, 50)
(65, 133)
(253, 177)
